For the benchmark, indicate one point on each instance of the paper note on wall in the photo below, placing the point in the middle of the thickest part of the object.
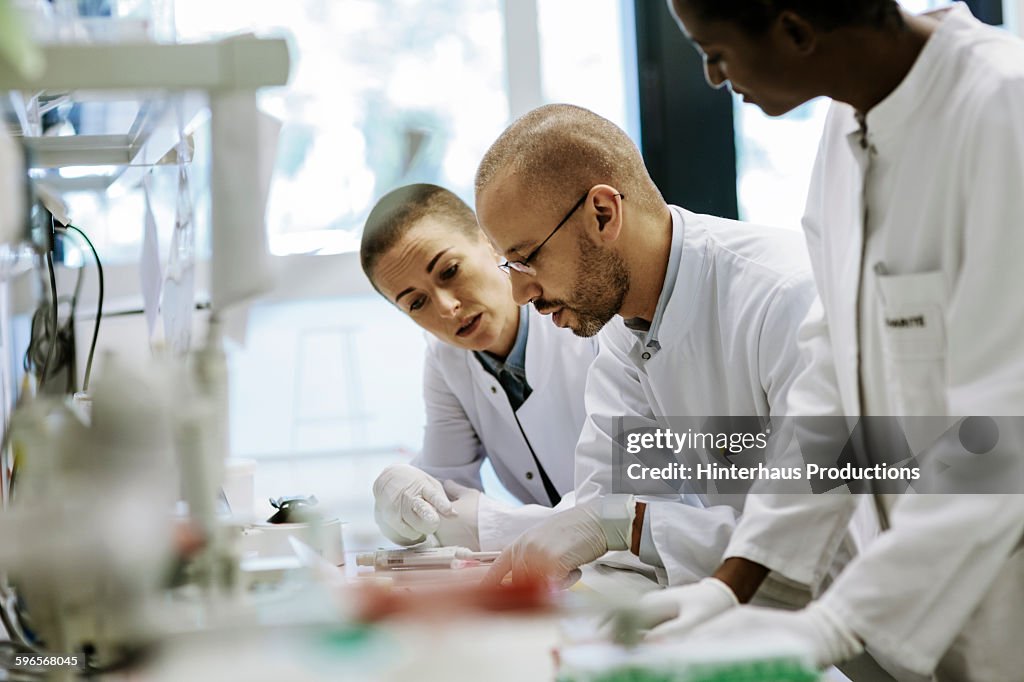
(150, 276)
(179, 282)
(243, 149)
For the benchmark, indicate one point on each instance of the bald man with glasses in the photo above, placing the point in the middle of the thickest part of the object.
(698, 318)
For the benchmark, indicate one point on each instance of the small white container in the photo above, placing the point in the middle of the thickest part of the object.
(240, 487)
(271, 539)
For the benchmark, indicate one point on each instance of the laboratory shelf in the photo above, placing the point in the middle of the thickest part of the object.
(236, 63)
(146, 71)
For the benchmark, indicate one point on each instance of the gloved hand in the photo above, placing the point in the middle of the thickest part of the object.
(553, 549)
(675, 611)
(821, 630)
(408, 504)
(460, 530)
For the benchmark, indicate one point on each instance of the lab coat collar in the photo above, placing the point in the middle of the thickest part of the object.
(679, 292)
(649, 336)
(889, 117)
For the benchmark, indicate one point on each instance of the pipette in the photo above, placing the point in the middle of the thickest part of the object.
(435, 557)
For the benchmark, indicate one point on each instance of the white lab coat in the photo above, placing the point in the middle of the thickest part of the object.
(469, 418)
(943, 173)
(728, 347)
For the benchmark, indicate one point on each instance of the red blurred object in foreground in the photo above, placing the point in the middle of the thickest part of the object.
(375, 603)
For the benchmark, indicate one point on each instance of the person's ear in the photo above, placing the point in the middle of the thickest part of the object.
(607, 204)
(795, 33)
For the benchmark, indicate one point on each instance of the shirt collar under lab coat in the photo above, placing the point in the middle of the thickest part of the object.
(539, 359)
(649, 344)
(516, 360)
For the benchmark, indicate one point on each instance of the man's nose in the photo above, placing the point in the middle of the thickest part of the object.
(524, 287)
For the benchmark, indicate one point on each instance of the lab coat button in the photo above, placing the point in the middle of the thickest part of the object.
(529, 475)
(646, 356)
(494, 389)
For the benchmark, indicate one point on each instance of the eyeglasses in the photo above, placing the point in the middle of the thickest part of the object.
(523, 265)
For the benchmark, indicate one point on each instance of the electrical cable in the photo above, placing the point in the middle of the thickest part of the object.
(78, 280)
(53, 341)
(43, 337)
(48, 358)
(64, 234)
(99, 305)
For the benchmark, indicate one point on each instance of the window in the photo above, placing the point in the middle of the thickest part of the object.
(774, 158)
(329, 375)
(383, 93)
(588, 57)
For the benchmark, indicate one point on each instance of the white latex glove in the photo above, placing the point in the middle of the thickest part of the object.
(554, 549)
(675, 611)
(408, 504)
(825, 636)
(460, 530)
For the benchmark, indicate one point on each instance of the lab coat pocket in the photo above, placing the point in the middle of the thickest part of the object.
(914, 341)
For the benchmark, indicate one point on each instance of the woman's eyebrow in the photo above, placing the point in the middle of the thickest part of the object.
(430, 269)
(433, 261)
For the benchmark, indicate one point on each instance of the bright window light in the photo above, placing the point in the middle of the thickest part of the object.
(588, 57)
(86, 171)
(383, 93)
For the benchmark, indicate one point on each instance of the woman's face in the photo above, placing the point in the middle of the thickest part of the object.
(450, 284)
(766, 69)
